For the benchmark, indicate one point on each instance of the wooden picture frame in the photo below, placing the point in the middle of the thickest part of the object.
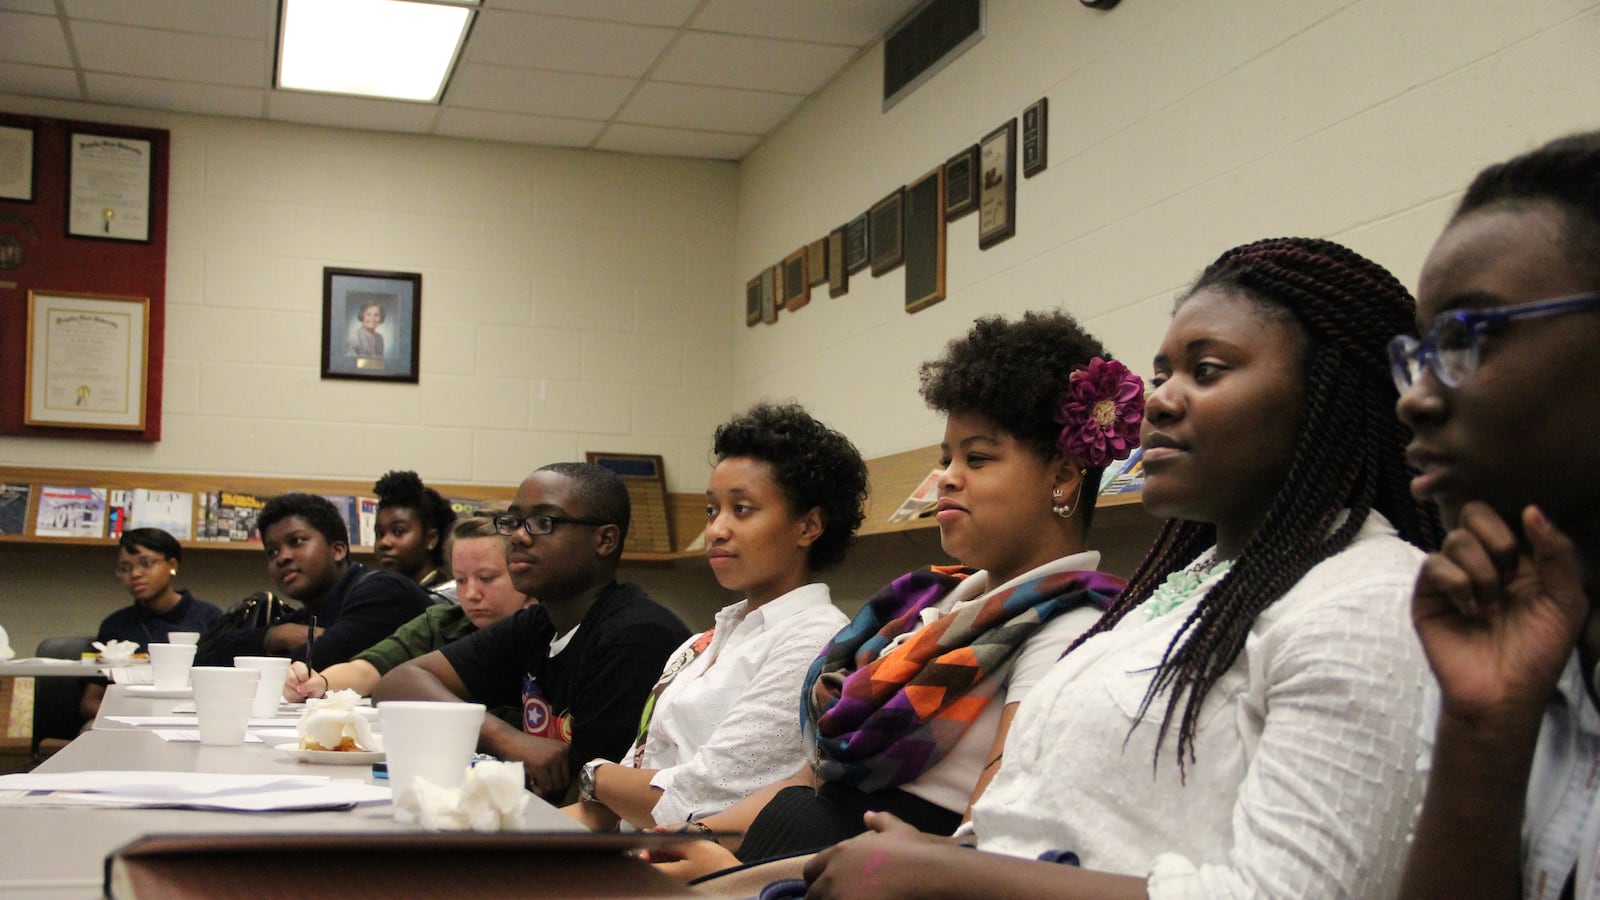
(838, 275)
(752, 301)
(961, 184)
(88, 361)
(925, 240)
(887, 230)
(358, 345)
(857, 244)
(1036, 138)
(817, 261)
(16, 163)
(997, 188)
(796, 279)
(769, 295)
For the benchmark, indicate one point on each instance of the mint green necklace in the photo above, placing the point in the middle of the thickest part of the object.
(1181, 585)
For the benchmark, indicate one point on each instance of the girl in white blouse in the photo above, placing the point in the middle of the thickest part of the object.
(783, 502)
(1242, 722)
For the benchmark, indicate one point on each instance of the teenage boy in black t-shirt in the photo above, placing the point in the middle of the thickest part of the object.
(308, 560)
(582, 661)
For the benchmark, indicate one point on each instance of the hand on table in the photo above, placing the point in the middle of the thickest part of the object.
(892, 860)
(690, 859)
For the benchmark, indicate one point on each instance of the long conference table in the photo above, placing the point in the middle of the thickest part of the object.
(56, 853)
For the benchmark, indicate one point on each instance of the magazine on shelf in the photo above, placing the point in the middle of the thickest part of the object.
(170, 511)
(14, 508)
(66, 511)
(231, 516)
(117, 507)
(922, 500)
(367, 519)
(348, 511)
(1124, 477)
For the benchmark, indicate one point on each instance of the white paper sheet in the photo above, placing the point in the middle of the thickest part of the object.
(189, 790)
(182, 736)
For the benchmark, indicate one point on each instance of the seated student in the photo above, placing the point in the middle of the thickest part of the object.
(308, 551)
(1033, 412)
(1243, 721)
(485, 594)
(783, 502)
(411, 529)
(582, 661)
(147, 566)
(1507, 441)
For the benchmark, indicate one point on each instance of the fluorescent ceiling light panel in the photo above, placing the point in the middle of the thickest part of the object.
(395, 49)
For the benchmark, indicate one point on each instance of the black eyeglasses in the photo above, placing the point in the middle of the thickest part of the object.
(508, 523)
(1451, 348)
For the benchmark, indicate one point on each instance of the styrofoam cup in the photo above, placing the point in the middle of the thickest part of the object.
(169, 664)
(273, 670)
(222, 699)
(427, 739)
(183, 637)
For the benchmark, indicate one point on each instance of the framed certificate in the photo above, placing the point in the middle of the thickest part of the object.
(997, 185)
(108, 195)
(16, 164)
(88, 360)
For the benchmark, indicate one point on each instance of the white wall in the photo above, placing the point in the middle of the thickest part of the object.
(1178, 128)
(571, 301)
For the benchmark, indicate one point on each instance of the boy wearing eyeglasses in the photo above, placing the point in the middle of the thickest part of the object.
(581, 663)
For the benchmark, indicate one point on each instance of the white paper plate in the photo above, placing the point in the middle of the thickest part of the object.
(153, 692)
(331, 757)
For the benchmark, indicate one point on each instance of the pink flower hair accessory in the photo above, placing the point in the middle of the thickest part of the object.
(1100, 413)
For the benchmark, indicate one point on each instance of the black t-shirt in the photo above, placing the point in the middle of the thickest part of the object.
(365, 606)
(135, 623)
(589, 694)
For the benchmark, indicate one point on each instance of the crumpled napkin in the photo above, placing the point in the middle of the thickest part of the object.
(329, 720)
(5, 645)
(116, 651)
(491, 798)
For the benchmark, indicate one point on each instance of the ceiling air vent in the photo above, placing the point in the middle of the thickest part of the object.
(926, 41)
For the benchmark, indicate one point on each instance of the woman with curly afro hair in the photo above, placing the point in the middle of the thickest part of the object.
(412, 528)
(784, 500)
(906, 709)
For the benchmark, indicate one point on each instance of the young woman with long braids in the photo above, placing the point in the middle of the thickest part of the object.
(1242, 722)
(1502, 399)
(906, 707)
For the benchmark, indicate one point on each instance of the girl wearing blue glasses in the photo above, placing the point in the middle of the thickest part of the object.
(1507, 422)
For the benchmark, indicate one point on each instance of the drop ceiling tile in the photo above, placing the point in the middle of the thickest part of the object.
(708, 108)
(350, 112)
(853, 22)
(538, 92)
(227, 18)
(42, 7)
(37, 40)
(40, 81)
(206, 59)
(762, 64)
(676, 142)
(671, 13)
(521, 129)
(151, 93)
(567, 45)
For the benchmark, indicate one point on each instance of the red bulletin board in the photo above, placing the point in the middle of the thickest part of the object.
(54, 262)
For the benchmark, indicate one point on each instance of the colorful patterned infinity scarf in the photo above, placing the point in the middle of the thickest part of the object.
(880, 721)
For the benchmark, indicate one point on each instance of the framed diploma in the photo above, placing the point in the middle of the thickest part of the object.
(16, 164)
(108, 195)
(88, 360)
(997, 185)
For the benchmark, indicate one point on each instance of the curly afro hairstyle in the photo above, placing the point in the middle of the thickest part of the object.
(316, 511)
(813, 464)
(1014, 374)
(404, 490)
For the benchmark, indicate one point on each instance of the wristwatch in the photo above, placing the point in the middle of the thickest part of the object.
(586, 778)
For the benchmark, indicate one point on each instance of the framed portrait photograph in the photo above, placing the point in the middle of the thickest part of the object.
(925, 241)
(838, 276)
(796, 280)
(88, 362)
(817, 261)
(856, 244)
(16, 164)
(371, 324)
(769, 295)
(997, 187)
(1035, 138)
(109, 187)
(752, 301)
(887, 230)
(961, 184)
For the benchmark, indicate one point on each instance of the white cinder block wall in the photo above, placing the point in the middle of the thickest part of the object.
(1178, 128)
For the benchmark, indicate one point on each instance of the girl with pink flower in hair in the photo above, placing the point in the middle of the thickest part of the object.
(1243, 720)
(905, 711)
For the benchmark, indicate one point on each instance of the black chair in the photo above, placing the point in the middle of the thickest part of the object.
(56, 716)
